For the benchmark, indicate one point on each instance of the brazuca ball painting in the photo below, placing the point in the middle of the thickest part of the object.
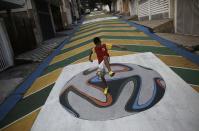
(133, 89)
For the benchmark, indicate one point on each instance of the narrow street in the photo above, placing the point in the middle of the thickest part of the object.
(76, 50)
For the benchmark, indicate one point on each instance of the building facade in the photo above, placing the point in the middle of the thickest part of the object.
(185, 14)
(6, 50)
(30, 22)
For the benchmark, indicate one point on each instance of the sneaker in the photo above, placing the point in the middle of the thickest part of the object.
(105, 90)
(111, 73)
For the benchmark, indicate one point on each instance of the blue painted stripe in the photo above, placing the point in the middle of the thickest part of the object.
(17, 95)
(8, 105)
(170, 44)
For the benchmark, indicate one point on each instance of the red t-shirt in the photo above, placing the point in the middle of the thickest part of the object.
(101, 51)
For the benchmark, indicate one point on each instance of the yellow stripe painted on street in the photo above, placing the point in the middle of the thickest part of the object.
(76, 42)
(87, 33)
(124, 34)
(96, 30)
(111, 52)
(144, 42)
(107, 28)
(24, 124)
(74, 52)
(177, 61)
(71, 53)
(101, 22)
(133, 42)
(195, 87)
(96, 35)
(104, 24)
(90, 32)
(117, 34)
(43, 81)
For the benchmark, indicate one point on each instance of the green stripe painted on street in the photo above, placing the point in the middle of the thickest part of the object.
(97, 27)
(91, 40)
(93, 33)
(190, 76)
(104, 21)
(66, 61)
(104, 26)
(85, 31)
(128, 37)
(155, 50)
(101, 23)
(98, 16)
(76, 46)
(27, 105)
(124, 37)
(133, 48)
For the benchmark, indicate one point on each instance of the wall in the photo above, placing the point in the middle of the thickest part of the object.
(187, 17)
(36, 27)
(133, 6)
(66, 13)
(119, 6)
(75, 9)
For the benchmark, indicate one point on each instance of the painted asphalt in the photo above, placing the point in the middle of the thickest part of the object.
(76, 50)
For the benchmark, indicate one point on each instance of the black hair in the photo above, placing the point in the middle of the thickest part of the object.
(97, 40)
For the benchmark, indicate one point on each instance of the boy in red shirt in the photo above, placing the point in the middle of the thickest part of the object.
(103, 57)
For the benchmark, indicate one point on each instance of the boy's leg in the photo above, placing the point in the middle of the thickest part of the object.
(106, 85)
(104, 81)
(101, 74)
(106, 62)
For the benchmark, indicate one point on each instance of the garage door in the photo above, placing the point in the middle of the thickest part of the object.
(153, 9)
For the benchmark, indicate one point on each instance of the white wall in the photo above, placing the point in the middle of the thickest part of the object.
(133, 6)
(119, 5)
(67, 11)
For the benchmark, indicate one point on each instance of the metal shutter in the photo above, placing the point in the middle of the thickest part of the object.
(143, 10)
(154, 9)
(6, 54)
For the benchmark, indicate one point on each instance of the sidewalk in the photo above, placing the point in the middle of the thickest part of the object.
(27, 62)
(164, 28)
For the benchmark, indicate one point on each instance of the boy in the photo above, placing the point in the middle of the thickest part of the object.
(103, 57)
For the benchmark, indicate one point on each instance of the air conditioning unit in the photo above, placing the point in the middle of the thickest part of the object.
(6, 52)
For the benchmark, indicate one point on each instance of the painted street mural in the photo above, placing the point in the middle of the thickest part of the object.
(133, 89)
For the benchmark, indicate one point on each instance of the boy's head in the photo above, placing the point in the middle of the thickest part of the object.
(97, 41)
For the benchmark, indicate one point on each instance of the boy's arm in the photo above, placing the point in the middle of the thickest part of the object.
(90, 55)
